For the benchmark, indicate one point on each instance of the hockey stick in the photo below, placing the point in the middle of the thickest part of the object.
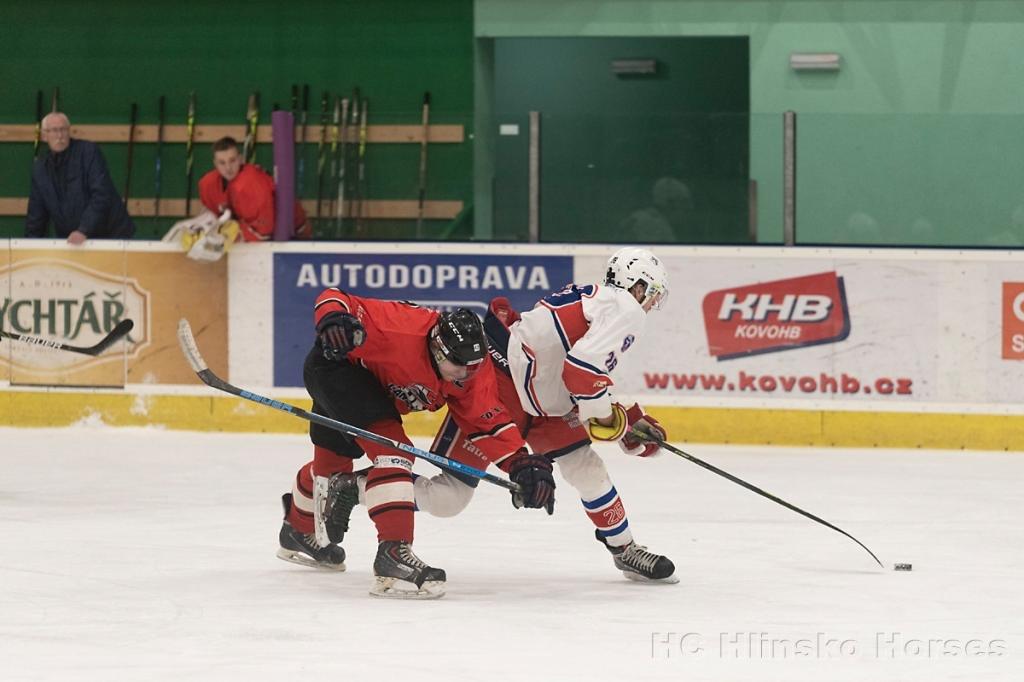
(39, 124)
(423, 166)
(252, 119)
(115, 335)
(361, 172)
(158, 168)
(300, 183)
(643, 435)
(356, 201)
(191, 351)
(333, 154)
(190, 135)
(133, 119)
(321, 158)
(339, 218)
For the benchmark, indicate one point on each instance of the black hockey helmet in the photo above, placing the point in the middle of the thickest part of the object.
(458, 337)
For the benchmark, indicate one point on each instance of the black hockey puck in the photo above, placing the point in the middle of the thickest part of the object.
(902, 567)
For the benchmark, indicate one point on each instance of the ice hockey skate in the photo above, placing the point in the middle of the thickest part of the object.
(637, 563)
(303, 549)
(402, 575)
(333, 500)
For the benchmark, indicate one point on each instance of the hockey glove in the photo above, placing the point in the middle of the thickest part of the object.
(645, 423)
(339, 334)
(533, 474)
(503, 310)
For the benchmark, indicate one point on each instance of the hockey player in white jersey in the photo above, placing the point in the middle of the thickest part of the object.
(555, 366)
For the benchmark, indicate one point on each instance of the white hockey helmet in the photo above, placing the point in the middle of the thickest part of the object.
(630, 265)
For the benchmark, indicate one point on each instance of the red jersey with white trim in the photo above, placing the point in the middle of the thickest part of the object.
(396, 352)
(563, 352)
(250, 196)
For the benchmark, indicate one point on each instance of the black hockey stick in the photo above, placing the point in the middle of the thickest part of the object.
(301, 181)
(133, 119)
(252, 119)
(191, 351)
(190, 136)
(321, 157)
(339, 220)
(158, 168)
(643, 435)
(361, 171)
(115, 335)
(333, 176)
(423, 166)
(39, 124)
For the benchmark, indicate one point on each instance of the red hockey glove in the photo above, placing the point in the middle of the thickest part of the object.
(340, 333)
(634, 445)
(503, 310)
(533, 474)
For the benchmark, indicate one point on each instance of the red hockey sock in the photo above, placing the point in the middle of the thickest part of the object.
(327, 462)
(389, 491)
(300, 516)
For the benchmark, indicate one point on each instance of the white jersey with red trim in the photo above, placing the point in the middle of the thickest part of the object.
(563, 352)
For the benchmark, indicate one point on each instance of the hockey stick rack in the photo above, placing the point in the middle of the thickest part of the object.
(115, 335)
(643, 435)
(191, 351)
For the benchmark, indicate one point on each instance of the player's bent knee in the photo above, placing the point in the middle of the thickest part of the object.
(442, 495)
(584, 470)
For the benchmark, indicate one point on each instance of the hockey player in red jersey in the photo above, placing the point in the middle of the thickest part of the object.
(248, 191)
(373, 361)
(554, 366)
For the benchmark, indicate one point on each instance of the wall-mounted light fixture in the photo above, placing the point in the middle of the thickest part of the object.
(814, 61)
(634, 67)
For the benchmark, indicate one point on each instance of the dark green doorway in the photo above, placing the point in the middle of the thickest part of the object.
(624, 157)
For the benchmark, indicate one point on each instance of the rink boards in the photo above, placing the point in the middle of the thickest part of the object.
(843, 347)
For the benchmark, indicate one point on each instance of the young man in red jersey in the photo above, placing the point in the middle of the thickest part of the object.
(372, 362)
(247, 190)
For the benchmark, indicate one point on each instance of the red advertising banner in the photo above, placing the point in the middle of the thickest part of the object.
(774, 316)
(1013, 320)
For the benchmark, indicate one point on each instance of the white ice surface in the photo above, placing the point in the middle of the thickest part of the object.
(137, 554)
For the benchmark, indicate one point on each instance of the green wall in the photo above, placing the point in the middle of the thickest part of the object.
(105, 55)
(915, 140)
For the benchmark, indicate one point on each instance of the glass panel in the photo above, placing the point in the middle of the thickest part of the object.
(646, 178)
(910, 179)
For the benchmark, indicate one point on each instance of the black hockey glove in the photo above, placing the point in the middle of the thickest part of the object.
(533, 474)
(340, 333)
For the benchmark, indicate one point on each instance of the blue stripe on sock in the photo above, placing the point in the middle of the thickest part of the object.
(601, 501)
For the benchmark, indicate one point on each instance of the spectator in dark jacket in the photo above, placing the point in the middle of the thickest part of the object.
(71, 188)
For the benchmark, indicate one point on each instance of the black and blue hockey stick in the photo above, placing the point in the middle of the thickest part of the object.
(191, 351)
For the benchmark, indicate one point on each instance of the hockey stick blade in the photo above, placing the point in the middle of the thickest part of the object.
(191, 351)
(116, 334)
(643, 435)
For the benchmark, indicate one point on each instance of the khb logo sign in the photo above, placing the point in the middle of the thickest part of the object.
(774, 316)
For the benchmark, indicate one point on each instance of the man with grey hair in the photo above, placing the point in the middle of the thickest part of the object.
(72, 189)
